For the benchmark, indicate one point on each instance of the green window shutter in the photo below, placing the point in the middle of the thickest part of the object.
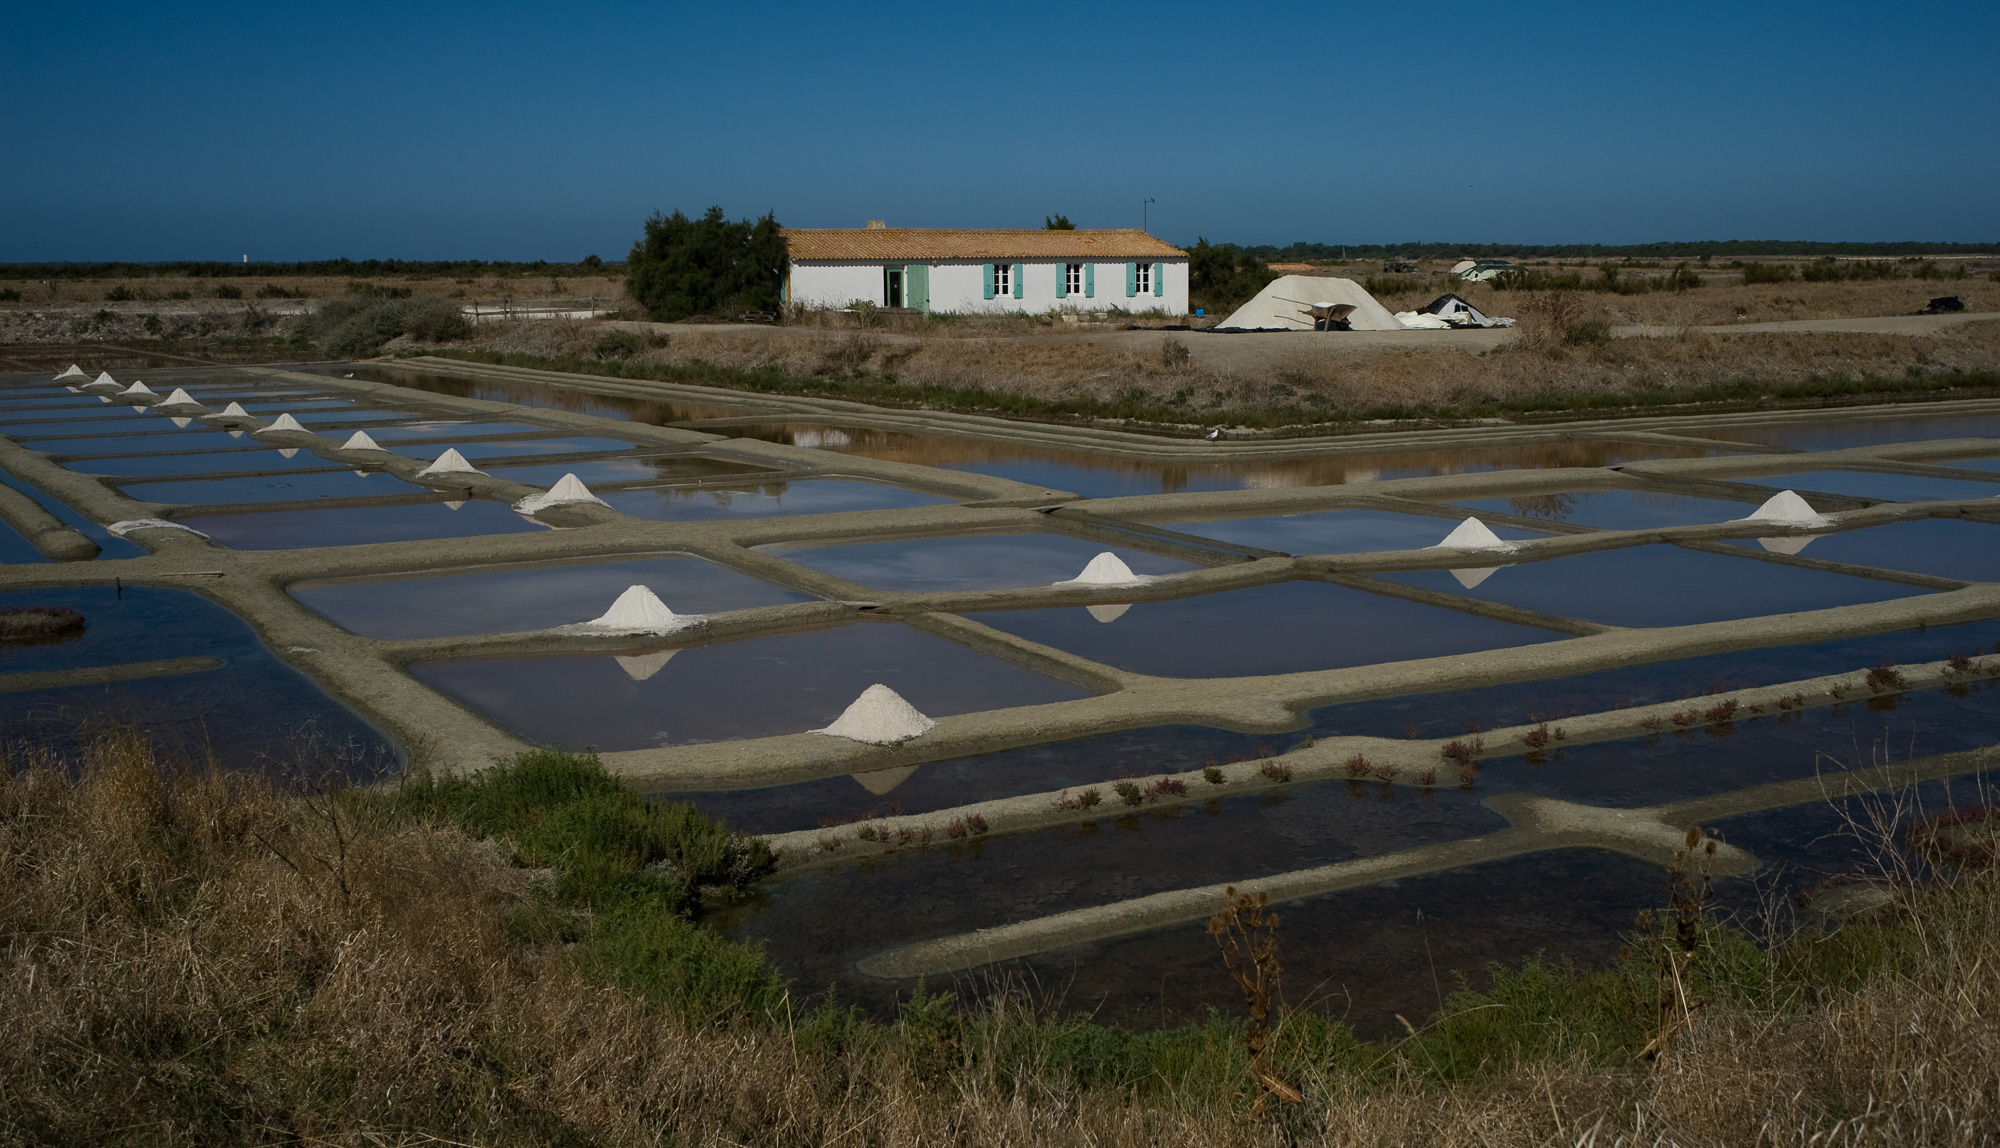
(989, 281)
(1131, 280)
(1020, 280)
(1159, 279)
(1062, 280)
(1090, 280)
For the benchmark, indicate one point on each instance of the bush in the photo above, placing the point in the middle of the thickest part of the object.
(1222, 276)
(708, 266)
(9, 295)
(618, 345)
(1766, 273)
(119, 294)
(273, 291)
(351, 328)
(227, 291)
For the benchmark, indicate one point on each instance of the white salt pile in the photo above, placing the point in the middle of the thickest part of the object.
(450, 462)
(1107, 569)
(234, 411)
(180, 398)
(137, 389)
(284, 422)
(879, 716)
(1786, 508)
(1472, 534)
(639, 667)
(359, 440)
(103, 379)
(637, 611)
(74, 372)
(570, 489)
(121, 529)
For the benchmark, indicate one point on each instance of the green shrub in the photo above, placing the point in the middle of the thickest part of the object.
(1754, 273)
(617, 345)
(227, 291)
(273, 291)
(708, 266)
(119, 294)
(351, 328)
(9, 295)
(1222, 276)
(376, 291)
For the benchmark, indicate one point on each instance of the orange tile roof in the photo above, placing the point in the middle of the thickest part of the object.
(887, 244)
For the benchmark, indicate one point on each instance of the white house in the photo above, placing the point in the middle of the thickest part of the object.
(991, 270)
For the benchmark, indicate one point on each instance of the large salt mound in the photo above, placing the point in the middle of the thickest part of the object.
(74, 372)
(637, 611)
(359, 440)
(103, 379)
(1107, 569)
(137, 389)
(180, 398)
(284, 422)
(450, 462)
(1472, 534)
(570, 489)
(1786, 508)
(234, 411)
(879, 716)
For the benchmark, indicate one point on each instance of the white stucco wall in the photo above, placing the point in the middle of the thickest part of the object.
(959, 285)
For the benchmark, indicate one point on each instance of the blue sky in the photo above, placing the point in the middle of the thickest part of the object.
(515, 131)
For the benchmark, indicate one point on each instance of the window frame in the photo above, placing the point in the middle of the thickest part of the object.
(1072, 279)
(1142, 280)
(1003, 280)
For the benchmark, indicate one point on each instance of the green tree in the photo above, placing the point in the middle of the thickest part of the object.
(1057, 223)
(682, 267)
(1222, 276)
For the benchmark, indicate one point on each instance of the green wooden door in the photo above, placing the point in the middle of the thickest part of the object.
(917, 287)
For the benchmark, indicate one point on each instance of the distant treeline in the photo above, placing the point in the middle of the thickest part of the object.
(1723, 249)
(360, 268)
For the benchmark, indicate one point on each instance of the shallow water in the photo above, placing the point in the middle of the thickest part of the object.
(609, 471)
(975, 562)
(1097, 476)
(1660, 585)
(503, 600)
(756, 687)
(193, 438)
(1078, 763)
(1335, 531)
(109, 544)
(1874, 484)
(253, 713)
(1452, 713)
(1947, 547)
(221, 463)
(817, 925)
(766, 499)
(296, 487)
(1615, 509)
(481, 450)
(531, 395)
(1284, 628)
(352, 526)
(454, 429)
(1839, 434)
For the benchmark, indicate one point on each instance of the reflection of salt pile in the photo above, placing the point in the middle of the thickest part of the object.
(1791, 544)
(637, 611)
(450, 462)
(1472, 534)
(1109, 612)
(881, 781)
(180, 398)
(879, 716)
(180, 421)
(1787, 509)
(570, 490)
(74, 372)
(288, 452)
(1107, 569)
(121, 529)
(359, 440)
(639, 667)
(1473, 576)
(284, 422)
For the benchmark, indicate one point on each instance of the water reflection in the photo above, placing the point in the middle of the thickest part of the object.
(649, 411)
(1097, 476)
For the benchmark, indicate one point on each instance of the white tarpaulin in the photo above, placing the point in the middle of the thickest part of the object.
(1307, 303)
(1448, 311)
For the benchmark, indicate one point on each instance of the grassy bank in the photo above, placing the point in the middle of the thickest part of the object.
(1173, 411)
(194, 957)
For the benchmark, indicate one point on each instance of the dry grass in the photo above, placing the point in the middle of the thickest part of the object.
(198, 958)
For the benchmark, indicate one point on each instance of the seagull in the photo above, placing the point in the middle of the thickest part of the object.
(1213, 435)
(348, 375)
